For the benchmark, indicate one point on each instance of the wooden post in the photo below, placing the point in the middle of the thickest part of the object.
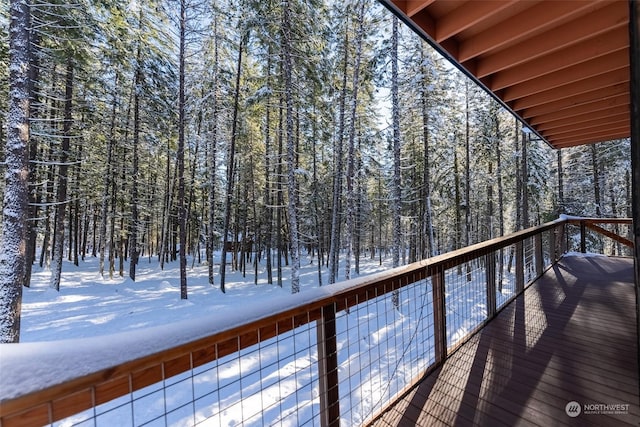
(490, 261)
(634, 62)
(439, 316)
(519, 267)
(583, 237)
(328, 367)
(552, 245)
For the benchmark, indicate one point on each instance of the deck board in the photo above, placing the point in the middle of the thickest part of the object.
(571, 336)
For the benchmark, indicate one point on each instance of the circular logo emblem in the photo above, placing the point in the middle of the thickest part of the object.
(573, 409)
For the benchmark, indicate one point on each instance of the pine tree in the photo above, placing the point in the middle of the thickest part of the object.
(15, 209)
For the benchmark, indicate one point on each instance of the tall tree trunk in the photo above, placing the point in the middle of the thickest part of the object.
(519, 177)
(61, 193)
(467, 171)
(16, 190)
(467, 176)
(133, 233)
(561, 207)
(34, 194)
(108, 178)
(525, 180)
(396, 189)
(427, 222)
(334, 242)
(457, 244)
(292, 186)
(316, 198)
(279, 192)
(498, 155)
(231, 166)
(182, 211)
(268, 210)
(76, 207)
(351, 200)
(213, 150)
(596, 179)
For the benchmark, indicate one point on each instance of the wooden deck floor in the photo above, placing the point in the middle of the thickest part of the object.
(571, 337)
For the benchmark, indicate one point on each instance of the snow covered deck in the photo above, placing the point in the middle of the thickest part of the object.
(570, 337)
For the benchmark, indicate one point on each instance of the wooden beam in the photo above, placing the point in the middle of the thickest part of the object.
(587, 131)
(522, 25)
(583, 141)
(607, 135)
(589, 26)
(413, 7)
(572, 89)
(554, 120)
(591, 126)
(613, 40)
(608, 63)
(468, 14)
(615, 96)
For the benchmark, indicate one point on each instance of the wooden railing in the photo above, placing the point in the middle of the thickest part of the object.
(337, 357)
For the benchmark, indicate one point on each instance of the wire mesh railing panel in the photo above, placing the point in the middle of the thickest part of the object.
(383, 343)
(465, 299)
(528, 247)
(546, 248)
(505, 275)
(273, 382)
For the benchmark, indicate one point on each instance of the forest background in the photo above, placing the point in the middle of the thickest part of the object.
(263, 131)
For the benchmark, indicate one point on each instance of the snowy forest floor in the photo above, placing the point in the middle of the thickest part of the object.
(89, 305)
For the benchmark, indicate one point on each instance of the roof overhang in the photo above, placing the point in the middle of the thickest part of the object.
(562, 66)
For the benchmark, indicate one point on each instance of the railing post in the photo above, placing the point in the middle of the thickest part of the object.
(328, 367)
(490, 261)
(439, 316)
(519, 267)
(552, 245)
(539, 254)
(583, 237)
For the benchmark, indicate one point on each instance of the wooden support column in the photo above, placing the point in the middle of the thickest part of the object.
(328, 367)
(552, 245)
(490, 261)
(634, 62)
(583, 237)
(439, 316)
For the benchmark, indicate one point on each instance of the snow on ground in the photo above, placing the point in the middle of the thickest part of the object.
(89, 305)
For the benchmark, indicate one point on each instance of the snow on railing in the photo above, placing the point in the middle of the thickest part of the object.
(338, 354)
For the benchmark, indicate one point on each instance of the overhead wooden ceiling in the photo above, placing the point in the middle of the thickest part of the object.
(561, 65)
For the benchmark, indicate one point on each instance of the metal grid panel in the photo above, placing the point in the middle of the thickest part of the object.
(384, 344)
(274, 382)
(546, 248)
(505, 276)
(529, 260)
(465, 299)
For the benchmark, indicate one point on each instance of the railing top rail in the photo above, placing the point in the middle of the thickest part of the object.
(593, 220)
(171, 346)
